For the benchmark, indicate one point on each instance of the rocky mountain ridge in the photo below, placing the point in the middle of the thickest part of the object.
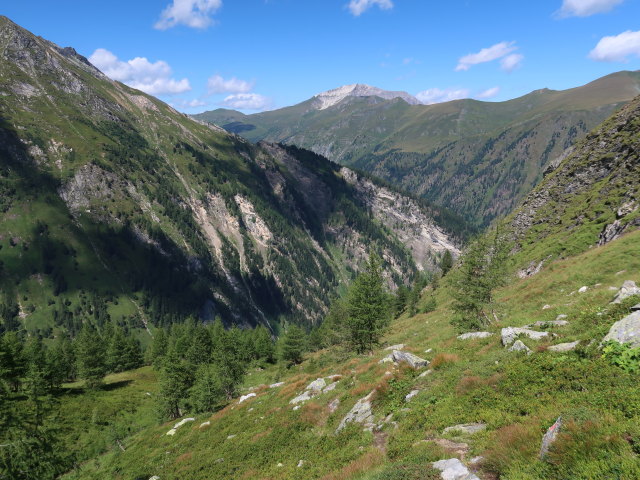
(107, 191)
(478, 159)
(332, 97)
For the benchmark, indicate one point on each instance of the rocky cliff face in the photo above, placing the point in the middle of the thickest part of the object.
(110, 193)
(592, 196)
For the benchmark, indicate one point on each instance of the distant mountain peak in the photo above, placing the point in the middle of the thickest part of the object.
(332, 97)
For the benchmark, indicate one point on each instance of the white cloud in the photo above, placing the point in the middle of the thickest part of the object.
(191, 103)
(489, 54)
(617, 48)
(435, 95)
(217, 84)
(511, 62)
(488, 93)
(585, 8)
(358, 7)
(192, 13)
(152, 78)
(246, 101)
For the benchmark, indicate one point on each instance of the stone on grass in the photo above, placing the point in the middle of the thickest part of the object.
(205, 424)
(246, 397)
(546, 307)
(509, 334)
(410, 395)
(425, 373)
(175, 428)
(466, 336)
(230, 437)
(399, 346)
(360, 413)
(333, 405)
(303, 397)
(628, 289)
(564, 347)
(155, 477)
(583, 289)
(300, 463)
(276, 385)
(550, 323)
(413, 360)
(626, 330)
(330, 387)
(453, 469)
(465, 428)
(550, 437)
(518, 346)
(387, 359)
(562, 316)
(317, 385)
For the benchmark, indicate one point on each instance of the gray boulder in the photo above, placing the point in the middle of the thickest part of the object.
(550, 437)
(628, 289)
(518, 346)
(564, 347)
(413, 360)
(453, 469)
(465, 428)
(635, 308)
(466, 336)
(626, 330)
(317, 385)
(410, 395)
(509, 334)
(360, 413)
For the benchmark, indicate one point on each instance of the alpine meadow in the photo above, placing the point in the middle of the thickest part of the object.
(218, 263)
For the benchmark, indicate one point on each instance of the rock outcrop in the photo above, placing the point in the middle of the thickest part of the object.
(453, 469)
(626, 330)
(628, 289)
(509, 334)
(360, 413)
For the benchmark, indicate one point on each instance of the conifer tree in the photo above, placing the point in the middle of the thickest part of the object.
(292, 345)
(368, 307)
(263, 345)
(13, 364)
(175, 380)
(90, 357)
(207, 391)
(446, 262)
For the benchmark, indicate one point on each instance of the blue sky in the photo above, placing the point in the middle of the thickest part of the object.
(263, 54)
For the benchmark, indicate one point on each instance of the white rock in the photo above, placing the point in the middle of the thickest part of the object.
(360, 413)
(317, 385)
(303, 397)
(300, 463)
(564, 347)
(387, 359)
(171, 432)
(399, 346)
(155, 477)
(330, 387)
(518, 346)
(465, 428)
(413, 360)
(583, 289)
(280, 465)
(230, 437)
(425, 373)
(628, 289)
(333, 405)
(468, 335)
(626, 330)
(410, 395)
(297, 407)
(546, 307)
(509, 334)
(428, 350)
(205, 424)
(549, 323)
(246, 397)
(276, 385)
(182, 422)
(562, 316)
(453, 469)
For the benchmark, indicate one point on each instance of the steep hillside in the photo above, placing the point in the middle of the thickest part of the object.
(114, 204)
(477, 158)
(501, 401)
(589, 199)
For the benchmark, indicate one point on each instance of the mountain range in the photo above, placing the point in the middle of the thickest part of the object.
(476, 158)
(110, 196)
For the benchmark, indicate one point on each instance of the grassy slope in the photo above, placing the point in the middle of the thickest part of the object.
(517, 396)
